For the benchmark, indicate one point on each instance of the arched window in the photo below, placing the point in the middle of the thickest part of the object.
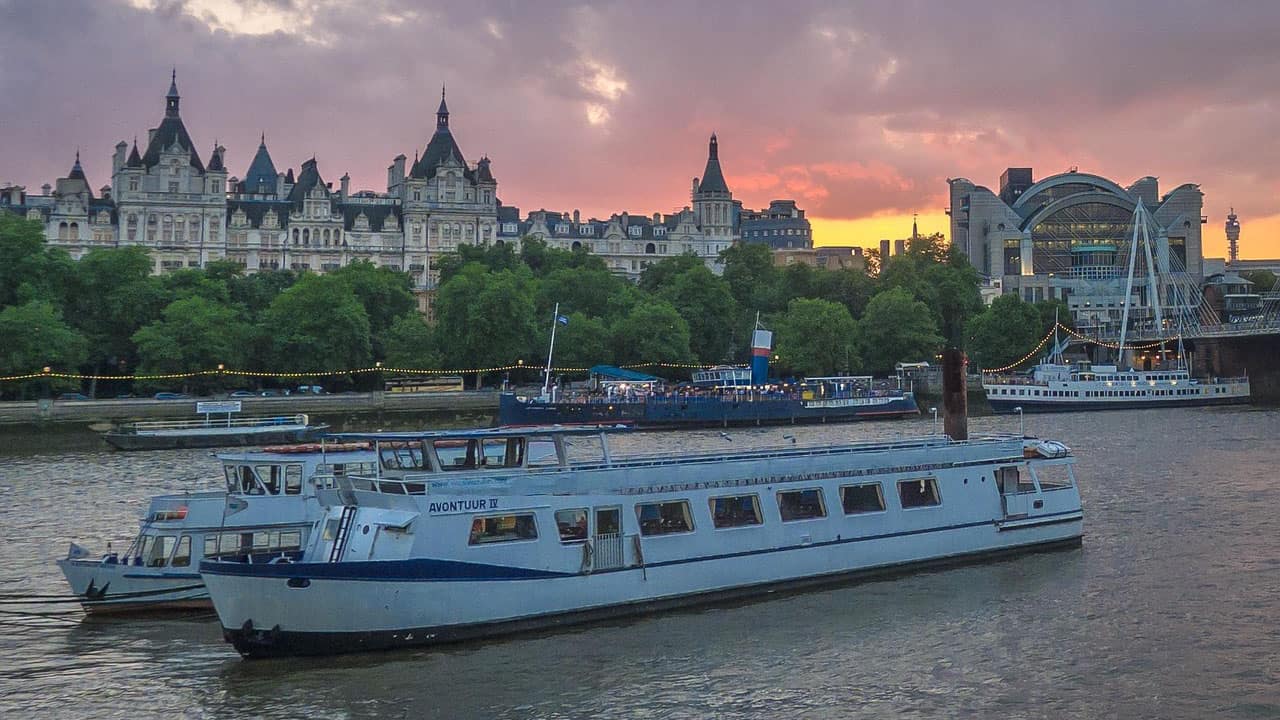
(295, 236)
(576, 245)
(306, 236)
(648, 249)
(151, 228)
(63, 231)
(337, 237)
(75, 231)
(326, 238)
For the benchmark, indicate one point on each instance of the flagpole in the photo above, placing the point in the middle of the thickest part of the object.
(546, 381)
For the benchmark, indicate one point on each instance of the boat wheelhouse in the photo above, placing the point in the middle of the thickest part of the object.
(266, 513)
(1064, 387)
(209, 432)
(722, 376)
(426, 551)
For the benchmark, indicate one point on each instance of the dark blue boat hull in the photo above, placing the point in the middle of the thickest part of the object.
(698, 412)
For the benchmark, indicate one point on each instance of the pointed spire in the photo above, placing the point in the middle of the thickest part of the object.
(135, 160)
(712, 176)
(442, 113)
(77, 173)
(171, 99)
(263, 142)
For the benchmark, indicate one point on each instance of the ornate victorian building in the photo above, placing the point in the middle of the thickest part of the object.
(187, 211)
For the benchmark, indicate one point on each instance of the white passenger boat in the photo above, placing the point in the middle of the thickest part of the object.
(1071, 387)
(426, 551)
(266, 513)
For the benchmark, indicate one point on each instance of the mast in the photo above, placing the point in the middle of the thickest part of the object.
(546, 379)
(1128, 286)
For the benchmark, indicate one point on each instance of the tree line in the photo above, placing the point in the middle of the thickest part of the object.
(107, 314)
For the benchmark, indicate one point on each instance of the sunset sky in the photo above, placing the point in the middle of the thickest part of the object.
(859, 111)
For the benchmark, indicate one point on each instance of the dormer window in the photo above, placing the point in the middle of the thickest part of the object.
(660, 231)
(635, 230)
(562, 228)
(508, 227)
(586, 230)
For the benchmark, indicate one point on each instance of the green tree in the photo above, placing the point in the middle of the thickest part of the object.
(849, 287)
(705, 303)
(34, 336)
(817, 337)
(29, 269)
(487, 318)
(190, 282)
(896, 328)
(256, 292)
(194, 333)
(654, 331)
(1263, 280)
(1048, 310)
(115, 296)
(658, 275)
(410, 343)
(1005, 332)
(494, 257)
(386, 294)
(584, 342)
(318, 324)
(590, 291)
(752, 277)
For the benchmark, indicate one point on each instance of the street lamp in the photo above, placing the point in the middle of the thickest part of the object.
(1021, 430)
(934, 410)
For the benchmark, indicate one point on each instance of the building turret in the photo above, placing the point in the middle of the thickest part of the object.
(712, 202)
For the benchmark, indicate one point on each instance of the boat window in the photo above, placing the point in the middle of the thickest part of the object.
(919, 493)
(1010, 480)
(182, 556)
(402, 456)
(735, 511)
(503, 528)
(292, 479)
(290, 540)
(861, 498)
(458, 454)
(801, 504)
(1053, 477)
(233, 478)
(664, 518)
(270, 477)
(155, 553)
(572, 524)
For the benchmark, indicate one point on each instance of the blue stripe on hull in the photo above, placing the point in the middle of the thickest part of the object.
(254, 642)
(1031, 405)
(428, 570)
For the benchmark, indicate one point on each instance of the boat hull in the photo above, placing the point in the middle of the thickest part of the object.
(1036, 405)
(704, 412)
(197, 439)
(350, 614)
(114, 588)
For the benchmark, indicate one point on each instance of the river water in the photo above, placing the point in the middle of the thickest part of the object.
(1171, 608)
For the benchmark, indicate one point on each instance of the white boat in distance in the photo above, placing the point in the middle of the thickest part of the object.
(266, 513)
(427, 551)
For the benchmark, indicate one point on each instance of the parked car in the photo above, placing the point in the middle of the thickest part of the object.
(243, 394)
(125, 396)
(171, 396)
(272, 392)
(310, 390)
(74, 396)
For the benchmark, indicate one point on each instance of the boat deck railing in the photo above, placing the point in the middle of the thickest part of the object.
(212, 423)
(421, 483)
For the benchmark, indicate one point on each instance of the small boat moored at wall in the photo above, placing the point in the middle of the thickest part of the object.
(208, 433)
(425, 551)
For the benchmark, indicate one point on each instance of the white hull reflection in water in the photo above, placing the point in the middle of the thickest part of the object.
(428, 551)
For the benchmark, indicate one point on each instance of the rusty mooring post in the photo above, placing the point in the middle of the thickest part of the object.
(955, 395)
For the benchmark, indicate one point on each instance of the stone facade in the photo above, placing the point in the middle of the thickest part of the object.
(188, 212)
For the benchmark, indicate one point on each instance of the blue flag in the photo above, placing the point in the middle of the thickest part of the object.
(562, 320)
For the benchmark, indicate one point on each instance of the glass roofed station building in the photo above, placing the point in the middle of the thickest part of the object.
(1067, 236)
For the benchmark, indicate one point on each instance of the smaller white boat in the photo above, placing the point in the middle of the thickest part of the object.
(265, 514)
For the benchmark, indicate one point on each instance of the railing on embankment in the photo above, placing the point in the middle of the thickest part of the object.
(93, 411)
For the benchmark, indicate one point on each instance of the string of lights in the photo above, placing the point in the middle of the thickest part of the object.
(377, 368)
(1079, 336)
